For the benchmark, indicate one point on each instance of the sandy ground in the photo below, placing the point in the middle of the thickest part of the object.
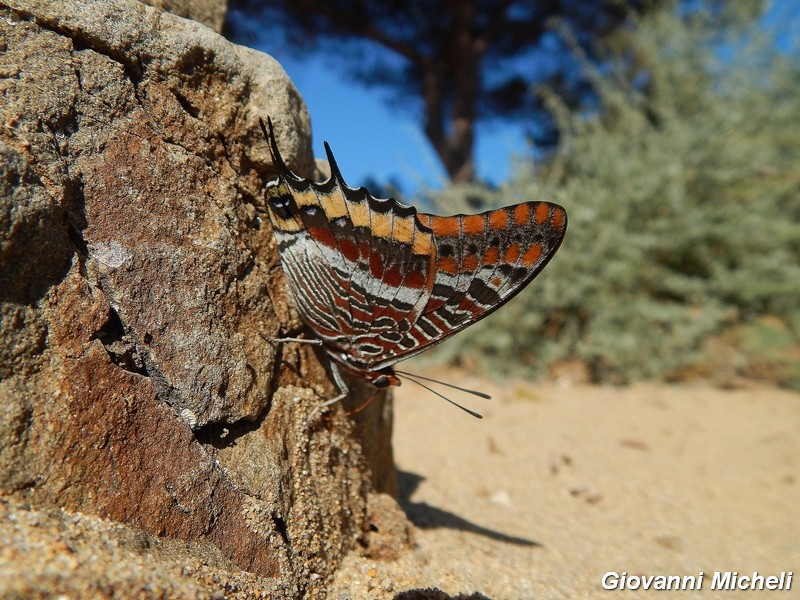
(554, 488)
(557, 486)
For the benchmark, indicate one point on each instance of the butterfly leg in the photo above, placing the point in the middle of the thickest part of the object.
(343, 390)
(365, 404)
(335, 373)
(274, 341)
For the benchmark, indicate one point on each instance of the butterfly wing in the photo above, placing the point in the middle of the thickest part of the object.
(359, 268)
(481, 262)
(379, 282)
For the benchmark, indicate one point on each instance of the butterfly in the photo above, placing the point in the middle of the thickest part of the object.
(379, 282)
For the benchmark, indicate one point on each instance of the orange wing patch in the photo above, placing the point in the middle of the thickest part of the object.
(445, 226)
(472, 225)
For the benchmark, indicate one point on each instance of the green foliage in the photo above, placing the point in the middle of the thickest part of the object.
(684, 210)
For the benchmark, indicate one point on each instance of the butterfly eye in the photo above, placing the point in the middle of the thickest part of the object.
(382, 381)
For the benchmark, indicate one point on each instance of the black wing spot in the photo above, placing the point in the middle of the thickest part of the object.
(428, 328)
(408, 342)
(519, 274)
(441, 290)
(371, 349)
(283, 206)
(505, 270)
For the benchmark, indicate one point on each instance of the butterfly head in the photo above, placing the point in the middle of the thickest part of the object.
(382, 379)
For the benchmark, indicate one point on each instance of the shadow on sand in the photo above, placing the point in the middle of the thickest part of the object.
(426, 516)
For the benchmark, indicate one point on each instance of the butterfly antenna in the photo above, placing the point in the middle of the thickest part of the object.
(444, 383)
(432, 391)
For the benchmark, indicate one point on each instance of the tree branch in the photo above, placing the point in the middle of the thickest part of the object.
(361, 28)
(496, 23)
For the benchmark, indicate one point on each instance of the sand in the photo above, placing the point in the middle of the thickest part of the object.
(559, 485)
(554, 488)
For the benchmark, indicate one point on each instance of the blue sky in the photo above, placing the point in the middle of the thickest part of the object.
(372, 140)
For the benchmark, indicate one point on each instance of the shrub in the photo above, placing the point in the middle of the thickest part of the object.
(684, 209)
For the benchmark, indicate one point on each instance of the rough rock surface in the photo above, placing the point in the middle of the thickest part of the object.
(137, 274)
(210, 13)
(55, 553)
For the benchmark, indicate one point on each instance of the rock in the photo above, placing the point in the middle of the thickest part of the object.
(55, 553)
(137, 274)
(391, 534)
(210, 13)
